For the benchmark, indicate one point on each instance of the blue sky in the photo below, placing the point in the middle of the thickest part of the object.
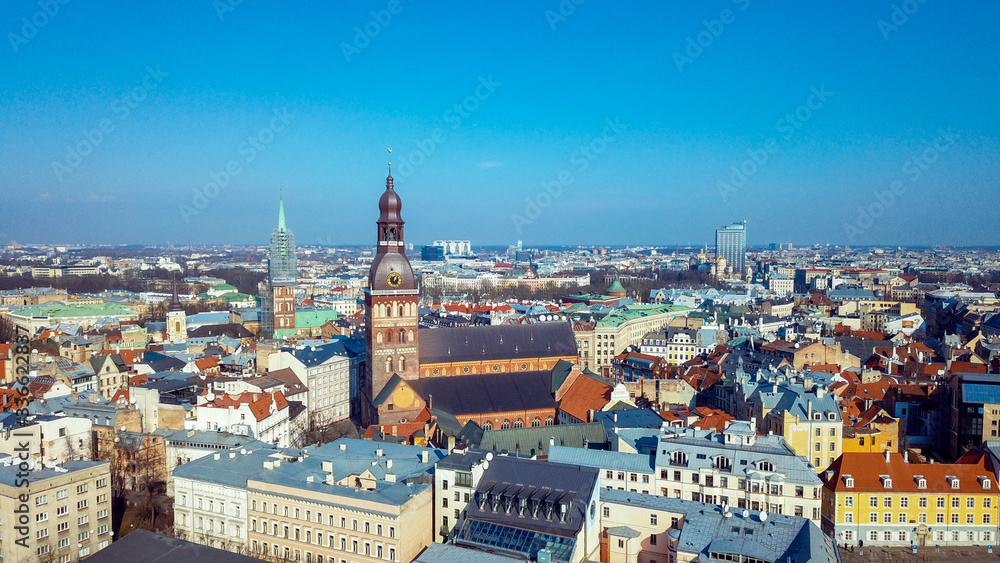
(484, 107)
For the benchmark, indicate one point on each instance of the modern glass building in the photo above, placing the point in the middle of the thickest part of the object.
(731, 244)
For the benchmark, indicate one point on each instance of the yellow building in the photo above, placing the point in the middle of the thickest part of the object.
(882, 499)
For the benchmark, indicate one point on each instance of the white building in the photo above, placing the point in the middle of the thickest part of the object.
(455, 247)
(261, 416)
(326, 371)
(780, 284)
(210, 505)
(52, 439)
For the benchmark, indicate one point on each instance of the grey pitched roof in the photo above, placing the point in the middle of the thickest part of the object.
(706, 529)
(9, 474)
(142, 545)
(447, 553)
(535, 440)
(623, 461)
(484, 343)
(487, 393)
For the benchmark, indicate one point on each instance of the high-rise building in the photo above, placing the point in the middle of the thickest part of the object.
(390, 312)
(278, 303)
(731, 244)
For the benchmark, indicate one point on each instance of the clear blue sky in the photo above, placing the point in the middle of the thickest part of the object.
(220, 80)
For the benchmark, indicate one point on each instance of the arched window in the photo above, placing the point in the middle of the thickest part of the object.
(388, 310)
(385, 233)
(392, 233)
(518, 423)
(402, 336)
(388, 336)
(548, 421)
(402, 363)
(505, 424)
(388, 364)
(536, 422)
(378, 337)
(402, 311)
(487, 425)
(409, 336)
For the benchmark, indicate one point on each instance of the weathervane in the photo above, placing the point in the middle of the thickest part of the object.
(390, 164)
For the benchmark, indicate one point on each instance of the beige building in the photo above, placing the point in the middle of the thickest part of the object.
(625, 327)
(350, 500)
(68, 512)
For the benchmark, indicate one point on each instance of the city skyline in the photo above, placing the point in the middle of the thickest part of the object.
(593, 127)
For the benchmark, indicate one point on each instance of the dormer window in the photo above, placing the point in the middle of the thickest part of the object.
(886, 481)
(953, 481)
(984, 481)
(848, 481)
(921, 482)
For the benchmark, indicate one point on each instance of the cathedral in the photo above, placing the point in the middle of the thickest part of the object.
(479, 360)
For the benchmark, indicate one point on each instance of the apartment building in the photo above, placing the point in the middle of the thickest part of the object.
(68, 509)
(350, 500)
(883, 500)
(626, 327)
(637, 528)
(618, 470)
(736, 468)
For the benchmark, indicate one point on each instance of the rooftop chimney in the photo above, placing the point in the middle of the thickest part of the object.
(343, 447)
(887, 456)
(425, 456)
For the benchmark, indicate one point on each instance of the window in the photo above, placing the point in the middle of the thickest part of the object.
(652, 519)
(873, 502)
(41, 499)
(62, 494)
(970, 502)
(62, 527)
(922, 502)
(848, 516)
(80, 505)
(606, 512)
(849, 502)
(41, 517)
(940, 502)
(81, 489)
(904, 502)
(887, 502)
(955, 502)
(902, 518)
(873, 517)
(887, 518)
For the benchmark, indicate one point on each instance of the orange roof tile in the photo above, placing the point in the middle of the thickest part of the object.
(866, 469)
(584, 395)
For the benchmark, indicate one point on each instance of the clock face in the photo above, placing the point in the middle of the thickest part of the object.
(394, 279)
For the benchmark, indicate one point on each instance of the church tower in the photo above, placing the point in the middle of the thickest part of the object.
(176, 320)
(278, 314)
(390, 308)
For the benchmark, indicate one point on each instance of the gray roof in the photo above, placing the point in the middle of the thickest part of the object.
(142, 545)
(9, 474)
(744, 459)
(357, 457)
(487, 393)
(447, 553)
(619, 461)
(705, 529)
(210, 440)
(536, 480)
(484, 343)
(535, 440)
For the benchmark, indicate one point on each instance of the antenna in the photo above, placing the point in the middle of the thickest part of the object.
(763, 515)
(746, 513)
(489, 456)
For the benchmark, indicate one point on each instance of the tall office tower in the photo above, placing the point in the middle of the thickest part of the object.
(278, 314)
(731, 244)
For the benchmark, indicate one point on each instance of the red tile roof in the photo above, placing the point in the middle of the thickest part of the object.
(584, 395)
(866, 469)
